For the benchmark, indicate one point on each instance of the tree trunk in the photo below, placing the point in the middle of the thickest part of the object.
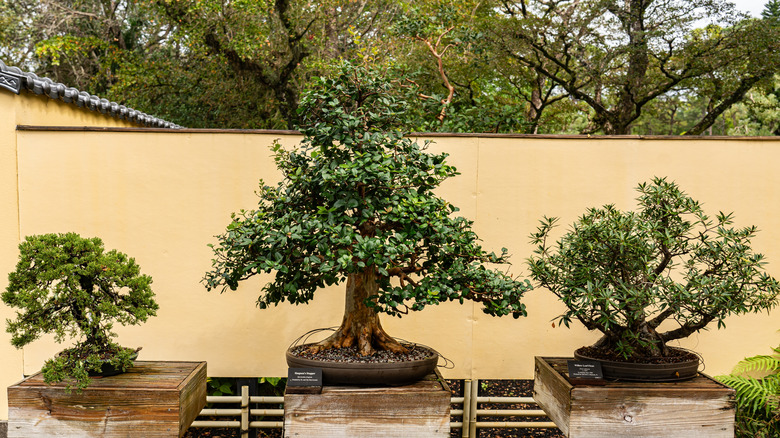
(655, 346)
(360, 326)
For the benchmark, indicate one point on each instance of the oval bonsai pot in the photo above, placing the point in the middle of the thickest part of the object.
(384, 373)
(645, 372)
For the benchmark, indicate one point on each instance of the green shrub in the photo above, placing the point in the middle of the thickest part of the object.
(757, 383)
(69, 286)
(624, 273)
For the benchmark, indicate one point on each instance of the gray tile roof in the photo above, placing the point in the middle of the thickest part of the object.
(14, 79)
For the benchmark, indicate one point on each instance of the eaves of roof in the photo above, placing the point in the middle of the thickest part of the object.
(14, 79)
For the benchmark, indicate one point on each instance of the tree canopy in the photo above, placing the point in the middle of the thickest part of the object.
(532, 66)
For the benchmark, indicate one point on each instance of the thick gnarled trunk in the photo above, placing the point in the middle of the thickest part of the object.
(360, 326)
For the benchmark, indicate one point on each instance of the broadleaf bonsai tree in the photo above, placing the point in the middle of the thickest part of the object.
(356, 205)
(69, 286)
(624, 273)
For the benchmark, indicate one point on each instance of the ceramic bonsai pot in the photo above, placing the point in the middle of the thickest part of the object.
(384, 373)
(645, 372)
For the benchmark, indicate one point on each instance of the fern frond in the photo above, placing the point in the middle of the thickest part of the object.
(760, 363)
(755, 395)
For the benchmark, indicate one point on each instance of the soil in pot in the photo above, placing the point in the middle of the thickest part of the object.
(345, 366)
(678, 365)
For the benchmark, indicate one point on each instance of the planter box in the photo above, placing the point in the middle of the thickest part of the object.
(150, 400)
(700, 407)
(420, 409)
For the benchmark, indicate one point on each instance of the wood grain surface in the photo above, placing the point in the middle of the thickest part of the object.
(700, 407)
(151, 399)
(420, 409)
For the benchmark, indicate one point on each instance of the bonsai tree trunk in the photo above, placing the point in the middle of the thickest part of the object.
(360, 326)
(652, 343)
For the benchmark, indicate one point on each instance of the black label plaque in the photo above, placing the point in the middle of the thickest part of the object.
(585, 372)
(304, 380)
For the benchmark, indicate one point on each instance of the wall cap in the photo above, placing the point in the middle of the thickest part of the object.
(15, 80)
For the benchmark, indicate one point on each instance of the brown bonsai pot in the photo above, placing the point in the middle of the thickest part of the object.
(687, 367)
(368, 373)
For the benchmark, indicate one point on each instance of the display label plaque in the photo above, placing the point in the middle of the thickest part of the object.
(585, 372)
(304, 380)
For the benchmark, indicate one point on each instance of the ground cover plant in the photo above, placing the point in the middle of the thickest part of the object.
(69, 286)
(756, 380)
(356, 205)
(624, 273)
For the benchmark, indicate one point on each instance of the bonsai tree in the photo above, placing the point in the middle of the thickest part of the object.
(68, 285)
(624, 273)
(356, 206)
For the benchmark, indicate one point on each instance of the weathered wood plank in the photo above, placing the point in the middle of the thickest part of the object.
(701, 407)
(421, 409)
(152, 399)
(552, 393)
(192, 397)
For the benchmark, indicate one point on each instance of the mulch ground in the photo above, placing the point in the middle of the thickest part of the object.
(490, 388)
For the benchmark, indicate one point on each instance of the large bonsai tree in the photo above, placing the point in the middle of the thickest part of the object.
(356, 205)
(624, 273)
(68, 285)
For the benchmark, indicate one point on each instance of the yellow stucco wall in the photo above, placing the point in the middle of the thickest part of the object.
(161, 197)
(24, 109)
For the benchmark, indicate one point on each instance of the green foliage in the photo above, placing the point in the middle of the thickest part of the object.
(74, 365)
(218, 386)
(273, 386)
(757, 383)
(471, 66)
(70, 286)
(771, 11)
(357, 196)
(619, 57)
(623, 273)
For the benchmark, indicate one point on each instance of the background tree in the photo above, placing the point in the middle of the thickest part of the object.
(618, 56)
(356, 205)
(532, 66)
(258, 56)
(771, 11)
(82, 43)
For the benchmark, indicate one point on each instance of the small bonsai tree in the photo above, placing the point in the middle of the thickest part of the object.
(356, 205)
(69, 286)
(625, 273)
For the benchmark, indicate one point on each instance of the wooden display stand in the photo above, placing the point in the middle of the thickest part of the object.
(150, 400)
(700, 407)
(420, 409)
